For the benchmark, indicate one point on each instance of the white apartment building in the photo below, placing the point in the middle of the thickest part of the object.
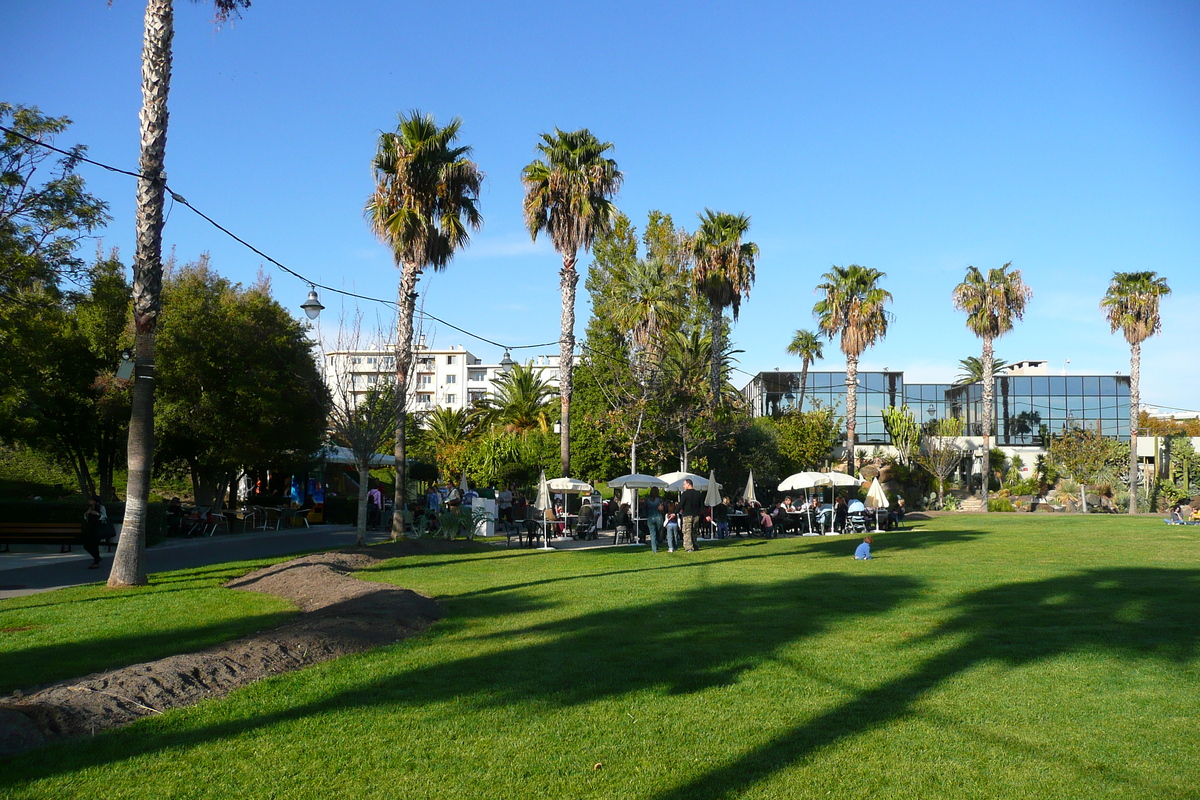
(441, 377)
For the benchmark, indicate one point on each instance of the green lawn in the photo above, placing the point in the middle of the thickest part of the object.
(1001, 657)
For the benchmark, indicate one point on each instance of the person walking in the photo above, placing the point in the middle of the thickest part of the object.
(654, 516)
(94, 520)
(691, 505)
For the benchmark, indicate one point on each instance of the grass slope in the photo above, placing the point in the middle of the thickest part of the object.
(998, 657)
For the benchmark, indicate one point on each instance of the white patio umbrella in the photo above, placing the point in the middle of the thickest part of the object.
(633, 483)
(748, 492)
(713, 498)
(804, 480)
(842, 479)
(542, 503)
(675, 481)
(876, 499)
(343, 455)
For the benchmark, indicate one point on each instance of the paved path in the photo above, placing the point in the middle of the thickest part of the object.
(24, 573)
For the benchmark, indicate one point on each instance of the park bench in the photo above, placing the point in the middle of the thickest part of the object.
(62, 533)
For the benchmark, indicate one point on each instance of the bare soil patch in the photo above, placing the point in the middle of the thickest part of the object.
(339, 615)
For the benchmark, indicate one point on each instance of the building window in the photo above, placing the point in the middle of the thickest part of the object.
(424, 398)
(477, 375)
(451, 398)
(425, 380)
(451, 359)
(451, 379)
(425, 361)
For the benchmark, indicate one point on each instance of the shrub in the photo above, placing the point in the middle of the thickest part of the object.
(1002, 504)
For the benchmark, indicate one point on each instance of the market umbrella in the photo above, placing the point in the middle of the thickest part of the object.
(748, 492)
(842, 479)
(675, 480)
(713, 498)
(877, 499)
(633, 483)
(569, 486)
(804, 480)
(542, 503)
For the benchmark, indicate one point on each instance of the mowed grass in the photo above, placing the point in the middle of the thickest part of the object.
(69, 633)
(1010, 656)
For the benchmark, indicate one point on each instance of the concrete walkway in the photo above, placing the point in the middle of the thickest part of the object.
(42, 568)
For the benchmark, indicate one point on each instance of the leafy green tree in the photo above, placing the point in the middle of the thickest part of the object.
(239, 385)
(723, 275)
(45, 209)
(423, 207)
(806, 346)
(449, 432)
(568, 195)
(806, 438)
(991, 304)
(1131, 306)
(941, 452)
(128, 568)
(853, 308)
(1086, 457)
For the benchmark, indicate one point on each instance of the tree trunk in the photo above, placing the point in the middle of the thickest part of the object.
(714, 375)
(1135, 395)
(989, 359)
(364, 483)
(569, 278)
(128, 567)
(803, 383)
(851, 409)
(407, 301)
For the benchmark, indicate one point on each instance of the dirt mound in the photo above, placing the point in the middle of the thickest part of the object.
(339, 615)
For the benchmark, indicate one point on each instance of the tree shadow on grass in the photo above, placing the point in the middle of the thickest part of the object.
(30, 667)
(911, 539)
(1131, 613)
(697, 639)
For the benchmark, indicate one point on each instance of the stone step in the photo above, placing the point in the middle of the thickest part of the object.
(972, 504)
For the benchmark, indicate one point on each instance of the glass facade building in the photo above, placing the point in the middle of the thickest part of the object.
(1028, 408)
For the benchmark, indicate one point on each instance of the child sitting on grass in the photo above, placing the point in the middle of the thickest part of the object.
(864, 550)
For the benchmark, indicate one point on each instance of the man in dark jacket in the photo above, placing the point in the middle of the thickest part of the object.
(691, 505)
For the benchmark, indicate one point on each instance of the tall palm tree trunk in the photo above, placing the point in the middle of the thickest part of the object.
(803, 383)
(407, 302)
(851, 409)
(569, 279)
(718, 345)
(1135, 397)
(989, 359)
(128, 563)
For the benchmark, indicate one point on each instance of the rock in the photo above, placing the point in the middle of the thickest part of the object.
(869, 472)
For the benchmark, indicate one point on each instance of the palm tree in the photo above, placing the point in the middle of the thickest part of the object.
(128, 568)
(971, 369)
(424, 203)
(853, 308)
(724, 273)
(808, 347)
(523, 401)
(651, 295)
(991, 305)
(568, 194)
(1131, 306)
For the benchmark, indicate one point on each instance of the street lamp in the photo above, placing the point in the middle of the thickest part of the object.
(312, 306)
(506, 363)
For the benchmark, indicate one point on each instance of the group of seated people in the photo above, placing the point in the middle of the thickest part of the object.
(1183, 514)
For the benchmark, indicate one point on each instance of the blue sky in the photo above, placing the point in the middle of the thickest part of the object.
(913, 138)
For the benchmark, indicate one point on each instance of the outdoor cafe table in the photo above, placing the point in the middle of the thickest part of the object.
(739, 522)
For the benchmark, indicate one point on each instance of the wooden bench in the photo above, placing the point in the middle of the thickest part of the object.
(63, 533)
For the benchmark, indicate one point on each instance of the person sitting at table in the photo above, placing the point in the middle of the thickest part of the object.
(623, 522)
(896, 514)
(787, 504)
(584, 526)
